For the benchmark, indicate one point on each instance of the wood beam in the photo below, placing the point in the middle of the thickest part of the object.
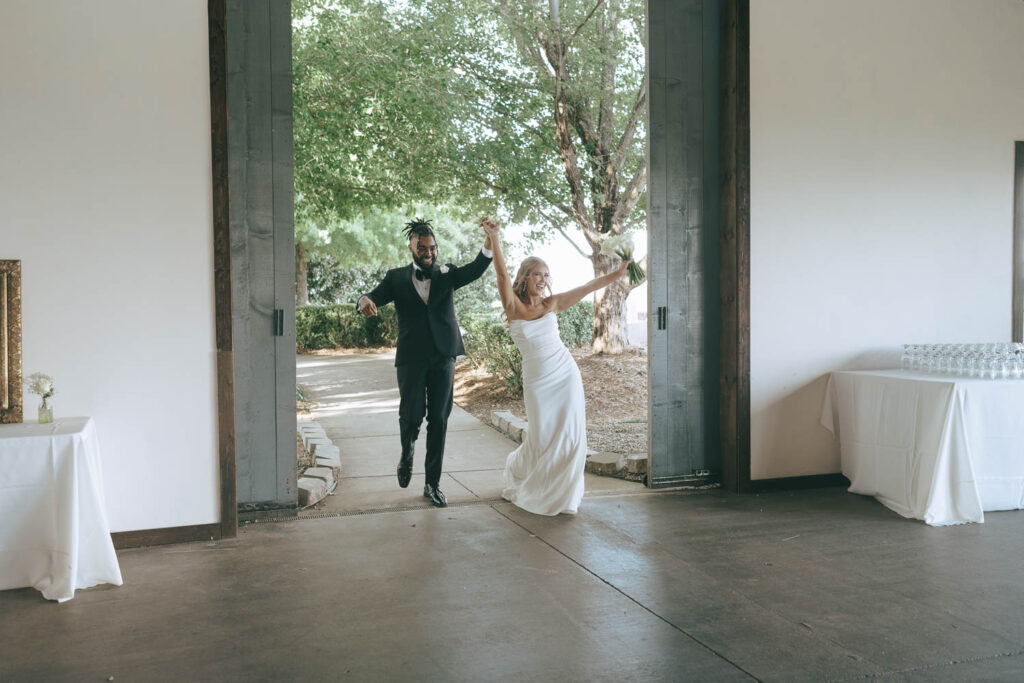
(217, 14)
(1018, 242)
(734, 402)
(178, 534)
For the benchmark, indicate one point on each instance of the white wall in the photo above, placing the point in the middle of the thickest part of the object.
(105, 196)
(882, 139)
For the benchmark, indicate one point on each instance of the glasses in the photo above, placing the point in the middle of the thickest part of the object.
(993, 361)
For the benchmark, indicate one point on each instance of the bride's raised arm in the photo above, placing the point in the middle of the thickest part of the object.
(573, 296)
(508, 297)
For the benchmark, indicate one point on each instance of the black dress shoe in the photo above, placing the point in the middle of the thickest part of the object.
(406, 462)
(434, 494)
(404, 470)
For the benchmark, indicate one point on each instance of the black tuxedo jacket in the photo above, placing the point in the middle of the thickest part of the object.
(420, 323)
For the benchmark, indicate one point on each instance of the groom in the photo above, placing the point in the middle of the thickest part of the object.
(428, 342)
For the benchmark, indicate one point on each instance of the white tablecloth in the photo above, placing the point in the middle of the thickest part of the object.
(54, 534)
(941, 449)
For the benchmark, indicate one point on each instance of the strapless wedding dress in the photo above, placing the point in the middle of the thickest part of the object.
(545, 474)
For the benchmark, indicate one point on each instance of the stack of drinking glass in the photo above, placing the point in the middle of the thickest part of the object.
(992, 361)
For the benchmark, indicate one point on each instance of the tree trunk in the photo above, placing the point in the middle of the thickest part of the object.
(301, 284)
(609, 310)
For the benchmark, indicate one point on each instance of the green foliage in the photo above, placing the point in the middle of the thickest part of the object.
(336, 279)
(488, 342)
(341, 326)
(455, 102)
(489, 345)
(371, 112)
(330, 283)
(509, 152)
(384, 116)
(576, 324)
(331, 321)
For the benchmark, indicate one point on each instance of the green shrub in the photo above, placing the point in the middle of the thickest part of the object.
(488, 342)
(329, 283)
(489, 345)
(341, 325)
(576, 324)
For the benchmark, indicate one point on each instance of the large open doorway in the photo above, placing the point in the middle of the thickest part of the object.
(322, 43)
(697, 330)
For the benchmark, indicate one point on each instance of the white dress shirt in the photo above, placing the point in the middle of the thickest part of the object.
(423, 286)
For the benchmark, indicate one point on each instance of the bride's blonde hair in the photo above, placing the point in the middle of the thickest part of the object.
(528, 265)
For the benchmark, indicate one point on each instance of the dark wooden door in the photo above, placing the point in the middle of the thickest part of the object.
(262, 251)
(683, 209)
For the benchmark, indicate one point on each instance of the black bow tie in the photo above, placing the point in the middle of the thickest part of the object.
(420, 275)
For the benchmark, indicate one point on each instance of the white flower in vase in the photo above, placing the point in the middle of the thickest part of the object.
(41, 384)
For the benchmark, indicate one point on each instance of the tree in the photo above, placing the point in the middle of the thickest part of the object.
(560, 87)
(535, 110)
(367, 130)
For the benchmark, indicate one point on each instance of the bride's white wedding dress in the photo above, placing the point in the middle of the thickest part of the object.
(545, 474)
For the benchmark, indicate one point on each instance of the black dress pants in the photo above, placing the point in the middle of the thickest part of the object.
(426, 388)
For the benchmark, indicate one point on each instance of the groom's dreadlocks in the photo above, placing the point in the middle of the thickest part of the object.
(418, 227)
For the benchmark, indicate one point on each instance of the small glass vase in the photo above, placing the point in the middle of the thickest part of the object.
(45, 413)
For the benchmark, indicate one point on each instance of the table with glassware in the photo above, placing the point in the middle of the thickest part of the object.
(55, 536)
(933, 444)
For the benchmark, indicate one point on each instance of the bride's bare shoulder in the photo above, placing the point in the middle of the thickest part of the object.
(521, 311)
(514, 311)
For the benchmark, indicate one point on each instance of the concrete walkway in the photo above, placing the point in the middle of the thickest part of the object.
(357, 405)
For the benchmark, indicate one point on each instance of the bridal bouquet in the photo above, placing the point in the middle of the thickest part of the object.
(622, 246)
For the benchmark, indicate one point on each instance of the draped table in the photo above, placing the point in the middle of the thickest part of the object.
(54, 534)
(937, 448)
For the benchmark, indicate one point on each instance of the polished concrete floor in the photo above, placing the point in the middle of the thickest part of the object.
(815, 585)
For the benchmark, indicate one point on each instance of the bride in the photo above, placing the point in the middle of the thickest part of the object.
(545, 474)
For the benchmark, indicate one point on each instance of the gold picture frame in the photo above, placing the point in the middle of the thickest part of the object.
(11, 407)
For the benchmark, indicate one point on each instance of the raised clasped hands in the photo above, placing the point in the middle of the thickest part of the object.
(490, 227)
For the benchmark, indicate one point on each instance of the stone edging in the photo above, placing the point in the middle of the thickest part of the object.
(321, 479)
(621, 465)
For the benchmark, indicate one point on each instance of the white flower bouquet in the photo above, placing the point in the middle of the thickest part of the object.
(41, 384)
(622, 246)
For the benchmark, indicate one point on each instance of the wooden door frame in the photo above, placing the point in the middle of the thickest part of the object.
(734, 377)
(217, 12)
(734, 369)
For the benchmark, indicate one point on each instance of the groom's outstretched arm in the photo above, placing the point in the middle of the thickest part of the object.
(463, 275)
(380, 295)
